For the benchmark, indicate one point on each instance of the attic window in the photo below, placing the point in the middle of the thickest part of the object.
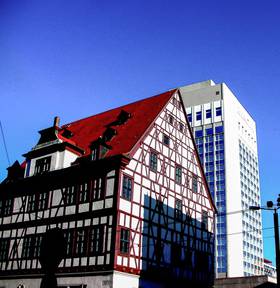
(103, 151)
(99, 151)
(67, 133)
(42, 165)
(177, 103)
(94, 154)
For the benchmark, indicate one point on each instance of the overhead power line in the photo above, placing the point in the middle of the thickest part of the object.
(5, 145)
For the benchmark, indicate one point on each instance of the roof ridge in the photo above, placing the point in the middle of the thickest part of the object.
(119, 107)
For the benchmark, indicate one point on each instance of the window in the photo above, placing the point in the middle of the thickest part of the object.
(204, 221)
(103, 151)
(202, 260)
(179, 105)
(4, 249)
(176, 253)
(31, 205)
(158, 250)
(42, 165)
(217, 92)
(218, 111)
(98, 186)
(198, 133)
(38, 201)
(159, 206)
(209, 147)
(6, 207)
(188, 257)
(70, 194)
(124, 241)
(84, 240)
(208, 113)
(37, 246)
(171, 119)
(194, 184)
(127, 188)
(178, 174)
(80, 246)
(209, 131)
(98, 151)
(96, 240)
(153, 161)
(69, 240)
(189, 117)
(43, 199)
(94, 154)
(219, 129)
(198, 115)
(220, 155)
(181, 127)
(83, 193)
(31, 246)
(178, 209)
(165, 140)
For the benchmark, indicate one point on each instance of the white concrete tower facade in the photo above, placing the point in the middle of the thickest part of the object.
(226, 139)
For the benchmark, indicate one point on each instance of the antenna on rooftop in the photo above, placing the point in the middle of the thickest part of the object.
(5, 146)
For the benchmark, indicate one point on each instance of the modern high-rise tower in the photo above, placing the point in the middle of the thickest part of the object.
(226, 139)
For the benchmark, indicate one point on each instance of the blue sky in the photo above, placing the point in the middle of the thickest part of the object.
(77, 58)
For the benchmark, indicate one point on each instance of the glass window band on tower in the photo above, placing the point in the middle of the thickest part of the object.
(210, 145)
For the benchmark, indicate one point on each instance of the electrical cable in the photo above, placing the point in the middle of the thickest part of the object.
(5, 145)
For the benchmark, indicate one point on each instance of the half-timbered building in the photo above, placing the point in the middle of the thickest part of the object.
(127, 190)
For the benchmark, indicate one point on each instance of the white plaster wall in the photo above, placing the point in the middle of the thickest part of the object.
(65, 159)
(14, 283)
(233, 194)
(125, 280)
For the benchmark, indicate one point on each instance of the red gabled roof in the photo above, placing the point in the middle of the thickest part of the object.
(143, 113)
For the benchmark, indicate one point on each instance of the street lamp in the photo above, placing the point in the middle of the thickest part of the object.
(271, 206)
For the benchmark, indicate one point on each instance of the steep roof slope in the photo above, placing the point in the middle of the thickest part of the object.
(141, 114)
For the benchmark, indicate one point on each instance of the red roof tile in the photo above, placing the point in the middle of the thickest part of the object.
(143, 113)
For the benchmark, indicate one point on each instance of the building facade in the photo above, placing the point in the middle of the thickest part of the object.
(127, 191)
(226, 140)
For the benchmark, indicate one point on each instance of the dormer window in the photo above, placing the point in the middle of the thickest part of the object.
(42, 165)
(103, 151)
(67, 133)
(94, 153)
(123, 117)
(99, 151)
(109, 134)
